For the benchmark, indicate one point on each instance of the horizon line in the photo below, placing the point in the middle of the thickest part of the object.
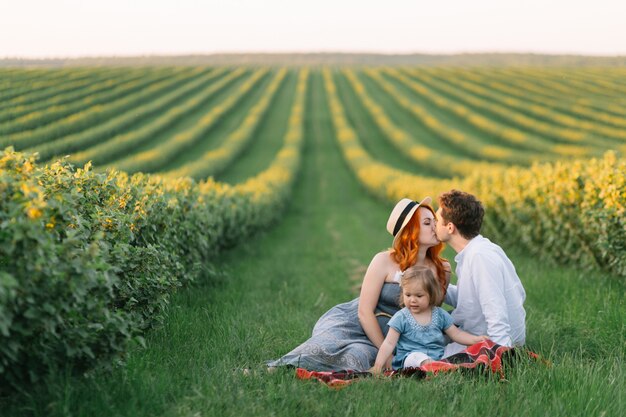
(320, 52)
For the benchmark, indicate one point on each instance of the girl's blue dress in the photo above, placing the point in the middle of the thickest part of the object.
(415, 337)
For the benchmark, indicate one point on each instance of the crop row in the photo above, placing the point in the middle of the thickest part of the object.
(95, 114)
(78, 93)
(213, 162)
(49, 112)
(500, 108)
(20, 90)
(155, 157)
(554, 88)
(614, 76)
(511, 136)
(468, 143)
(575, 83)
(559, 111)
(381, 180)
(439, 162)
(120, 135)
(110, 248)
(63, 93)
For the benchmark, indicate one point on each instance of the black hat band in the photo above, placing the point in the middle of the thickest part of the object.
(403, 215)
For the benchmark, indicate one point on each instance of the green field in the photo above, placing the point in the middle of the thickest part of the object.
(263, 295)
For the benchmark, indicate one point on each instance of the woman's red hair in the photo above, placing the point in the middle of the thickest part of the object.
(406, 246)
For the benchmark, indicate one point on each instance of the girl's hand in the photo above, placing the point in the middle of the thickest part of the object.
(481, 338)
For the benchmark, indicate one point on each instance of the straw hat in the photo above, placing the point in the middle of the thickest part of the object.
(402, 213)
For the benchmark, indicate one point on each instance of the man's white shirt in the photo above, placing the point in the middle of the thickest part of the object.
(489, 296)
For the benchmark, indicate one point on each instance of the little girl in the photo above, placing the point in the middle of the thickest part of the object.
(418, 328)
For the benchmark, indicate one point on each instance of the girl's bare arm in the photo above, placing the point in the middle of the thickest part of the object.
(385, 351)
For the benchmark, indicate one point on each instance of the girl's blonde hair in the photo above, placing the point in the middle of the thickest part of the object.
(424, 276)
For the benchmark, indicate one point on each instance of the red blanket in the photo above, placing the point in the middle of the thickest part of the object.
(485, 355)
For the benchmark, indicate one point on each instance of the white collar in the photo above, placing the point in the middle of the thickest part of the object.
(459, 256)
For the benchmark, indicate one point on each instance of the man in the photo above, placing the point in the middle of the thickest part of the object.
(489, 296)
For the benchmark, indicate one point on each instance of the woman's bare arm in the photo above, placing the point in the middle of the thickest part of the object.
(370, 293)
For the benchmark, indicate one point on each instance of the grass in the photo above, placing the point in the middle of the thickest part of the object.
(267, 294)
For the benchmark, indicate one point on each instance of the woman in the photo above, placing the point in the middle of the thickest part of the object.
(349, 335)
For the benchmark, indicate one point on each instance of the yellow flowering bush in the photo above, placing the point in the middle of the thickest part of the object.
(573, 212)
(88, 260)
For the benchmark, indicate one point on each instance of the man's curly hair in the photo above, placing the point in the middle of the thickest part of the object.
(463, 210)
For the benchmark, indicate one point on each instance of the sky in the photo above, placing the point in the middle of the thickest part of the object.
(75, 28)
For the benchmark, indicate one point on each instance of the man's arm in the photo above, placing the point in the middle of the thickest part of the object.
(489, 284)
(452, 295)
(451, 290)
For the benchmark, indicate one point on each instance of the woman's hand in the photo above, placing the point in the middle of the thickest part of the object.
(376, 370)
